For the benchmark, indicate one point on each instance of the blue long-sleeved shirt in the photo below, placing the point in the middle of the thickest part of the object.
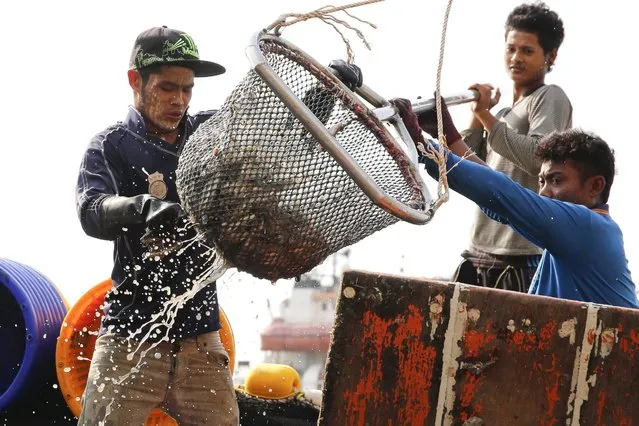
(583, 251)
(119, 161)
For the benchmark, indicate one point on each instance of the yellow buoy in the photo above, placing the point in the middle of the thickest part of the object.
(272, 381)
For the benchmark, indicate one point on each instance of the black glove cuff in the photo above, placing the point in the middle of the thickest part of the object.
(349, 74)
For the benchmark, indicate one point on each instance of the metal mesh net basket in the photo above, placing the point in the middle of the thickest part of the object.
(266, 193)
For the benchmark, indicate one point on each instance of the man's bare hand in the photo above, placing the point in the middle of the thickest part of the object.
(486, 100)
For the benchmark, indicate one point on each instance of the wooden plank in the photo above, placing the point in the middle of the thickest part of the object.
(420, 352)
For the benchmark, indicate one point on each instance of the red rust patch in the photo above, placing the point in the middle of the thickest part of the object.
(475, 341)
(417, 361)
(467, 403)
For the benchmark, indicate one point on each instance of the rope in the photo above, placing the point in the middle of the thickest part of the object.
(440, 156)
(325, 15)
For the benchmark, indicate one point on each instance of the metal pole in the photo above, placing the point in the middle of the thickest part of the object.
(389, 111)
(455, 99)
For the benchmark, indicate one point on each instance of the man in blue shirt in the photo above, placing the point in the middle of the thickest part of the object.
(583, 251)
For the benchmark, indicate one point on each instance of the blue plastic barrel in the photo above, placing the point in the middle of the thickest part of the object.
(31, 314)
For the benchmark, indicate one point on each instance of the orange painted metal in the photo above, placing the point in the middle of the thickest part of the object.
(419, 352)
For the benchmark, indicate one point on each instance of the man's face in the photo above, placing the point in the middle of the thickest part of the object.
(165, 97)
(563, 181)
(524, 58)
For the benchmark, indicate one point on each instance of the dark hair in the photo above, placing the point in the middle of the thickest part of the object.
(537, 18)
(589, 152)
(146, 72)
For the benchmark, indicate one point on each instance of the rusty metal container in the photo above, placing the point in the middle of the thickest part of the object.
(421, 352)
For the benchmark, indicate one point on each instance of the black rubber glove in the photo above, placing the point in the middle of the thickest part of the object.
(163, 213)
(409, 118)
(428, 123)
(167, 228)
(349, 74)
(118, 213)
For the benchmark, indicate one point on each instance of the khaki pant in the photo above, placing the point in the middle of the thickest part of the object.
(189, 379)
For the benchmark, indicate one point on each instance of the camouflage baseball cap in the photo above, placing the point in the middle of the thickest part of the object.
(166, 46)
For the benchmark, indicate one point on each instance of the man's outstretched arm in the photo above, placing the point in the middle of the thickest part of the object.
(541, 220)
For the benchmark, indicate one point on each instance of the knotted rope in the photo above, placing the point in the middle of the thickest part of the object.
(440, 156)
(325, 14)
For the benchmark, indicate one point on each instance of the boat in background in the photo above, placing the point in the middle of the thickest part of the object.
(300, 335)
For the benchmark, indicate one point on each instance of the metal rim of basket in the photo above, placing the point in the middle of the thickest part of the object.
(420, 213)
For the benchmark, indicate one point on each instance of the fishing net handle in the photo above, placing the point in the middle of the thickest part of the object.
(317, 129)
(385, 111)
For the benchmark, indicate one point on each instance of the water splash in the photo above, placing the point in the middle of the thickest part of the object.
(164, 320)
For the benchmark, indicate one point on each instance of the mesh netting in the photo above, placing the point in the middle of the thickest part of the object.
(261, 189)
